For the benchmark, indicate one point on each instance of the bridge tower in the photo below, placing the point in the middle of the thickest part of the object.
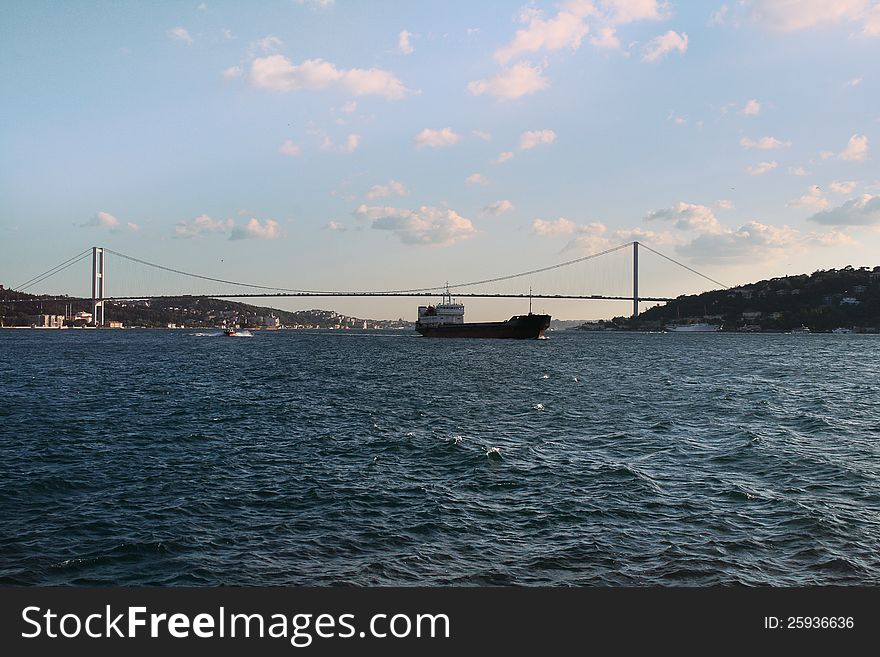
(98, 285)
(635, 280)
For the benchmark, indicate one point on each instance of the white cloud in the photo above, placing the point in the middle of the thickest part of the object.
(277, 73)
(843, 186)
(751, 239)
(521, 79)
(335, 226)
(798, 171)
(476, 179)
(267, 44)
(762, 168)
(607, 39)
(350, 107)
(202, 7)
(688, 216)
(180, 34)
(232, 72)
(315, 5)
(764, 143)
(565, 30)
(791, 15)
(628, 11)
(227, 34)
(102, 220)
(864, 210)
(425, 225)
(403, 44)
(724, 204)
(561, 226)
(393, 188)
(855, 82)
(814, 198)
(434, 138)
(289, 148)
(133, 226)
(659, 46)
(482, 134)
(871, 24)
(533, 138)
(202, 224)
(752, 108)
(504, 157)
(856, 149)
(253, 229)
(351, 143)
(498, 208)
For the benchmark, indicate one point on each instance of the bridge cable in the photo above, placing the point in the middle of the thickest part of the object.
(325, 292)
(51, 272)
(680, 264)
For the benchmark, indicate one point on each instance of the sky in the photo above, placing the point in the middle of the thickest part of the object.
(314, 144)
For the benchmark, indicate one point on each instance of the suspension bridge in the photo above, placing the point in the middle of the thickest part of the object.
(531, 284)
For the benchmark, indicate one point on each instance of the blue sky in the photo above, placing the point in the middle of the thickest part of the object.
(377, 145)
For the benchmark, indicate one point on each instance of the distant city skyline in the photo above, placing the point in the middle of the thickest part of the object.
(378, 145)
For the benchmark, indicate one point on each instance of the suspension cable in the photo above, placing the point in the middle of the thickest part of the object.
(680, 264)
(51, 272)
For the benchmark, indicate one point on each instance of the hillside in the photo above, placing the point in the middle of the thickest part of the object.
(823, 300)
(185, 311)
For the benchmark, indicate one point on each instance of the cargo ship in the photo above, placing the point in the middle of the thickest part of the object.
(446, 320)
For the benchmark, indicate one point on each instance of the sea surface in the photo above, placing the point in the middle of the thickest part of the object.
(181, 457)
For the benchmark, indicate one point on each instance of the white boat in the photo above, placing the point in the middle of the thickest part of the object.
(841, 329)
(693, 328)
(800, 329)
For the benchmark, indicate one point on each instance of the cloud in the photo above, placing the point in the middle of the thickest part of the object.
(659, 46)
(351, 143)
(792, 15)
(519, 80)
(350, 107)
(504, 157)
(482, 134)
(607, 39)
(133, 226)
(864, 210)
(724, 204)
(425, 225)
(688, 216)
(628, 11)
(316, 5)
(434, 138)
(563, 226)
(534, 138)
(334, 226)
(102, 220)
(764, 143)
(751, 239)
(719, 17)
(403, 44)
(814, 198)
(180, 34)
(289, 149)
(476, 179)
(277, 73)
(498, 208)
(855, 82)
(798, 171)
(232, 72)
(843, 186)
(393, 188)
(253, 229)
(856, 149)
(201, 225)
(565, 30)
(762, 168)
(267, 44)
(752, 108)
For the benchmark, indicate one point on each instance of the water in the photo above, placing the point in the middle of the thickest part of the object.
(177, 458)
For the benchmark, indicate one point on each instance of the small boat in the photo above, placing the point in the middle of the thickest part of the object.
(841, 329)
(800, 329)
(230, 332)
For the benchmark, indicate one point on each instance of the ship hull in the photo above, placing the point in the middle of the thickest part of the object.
(522, 327)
